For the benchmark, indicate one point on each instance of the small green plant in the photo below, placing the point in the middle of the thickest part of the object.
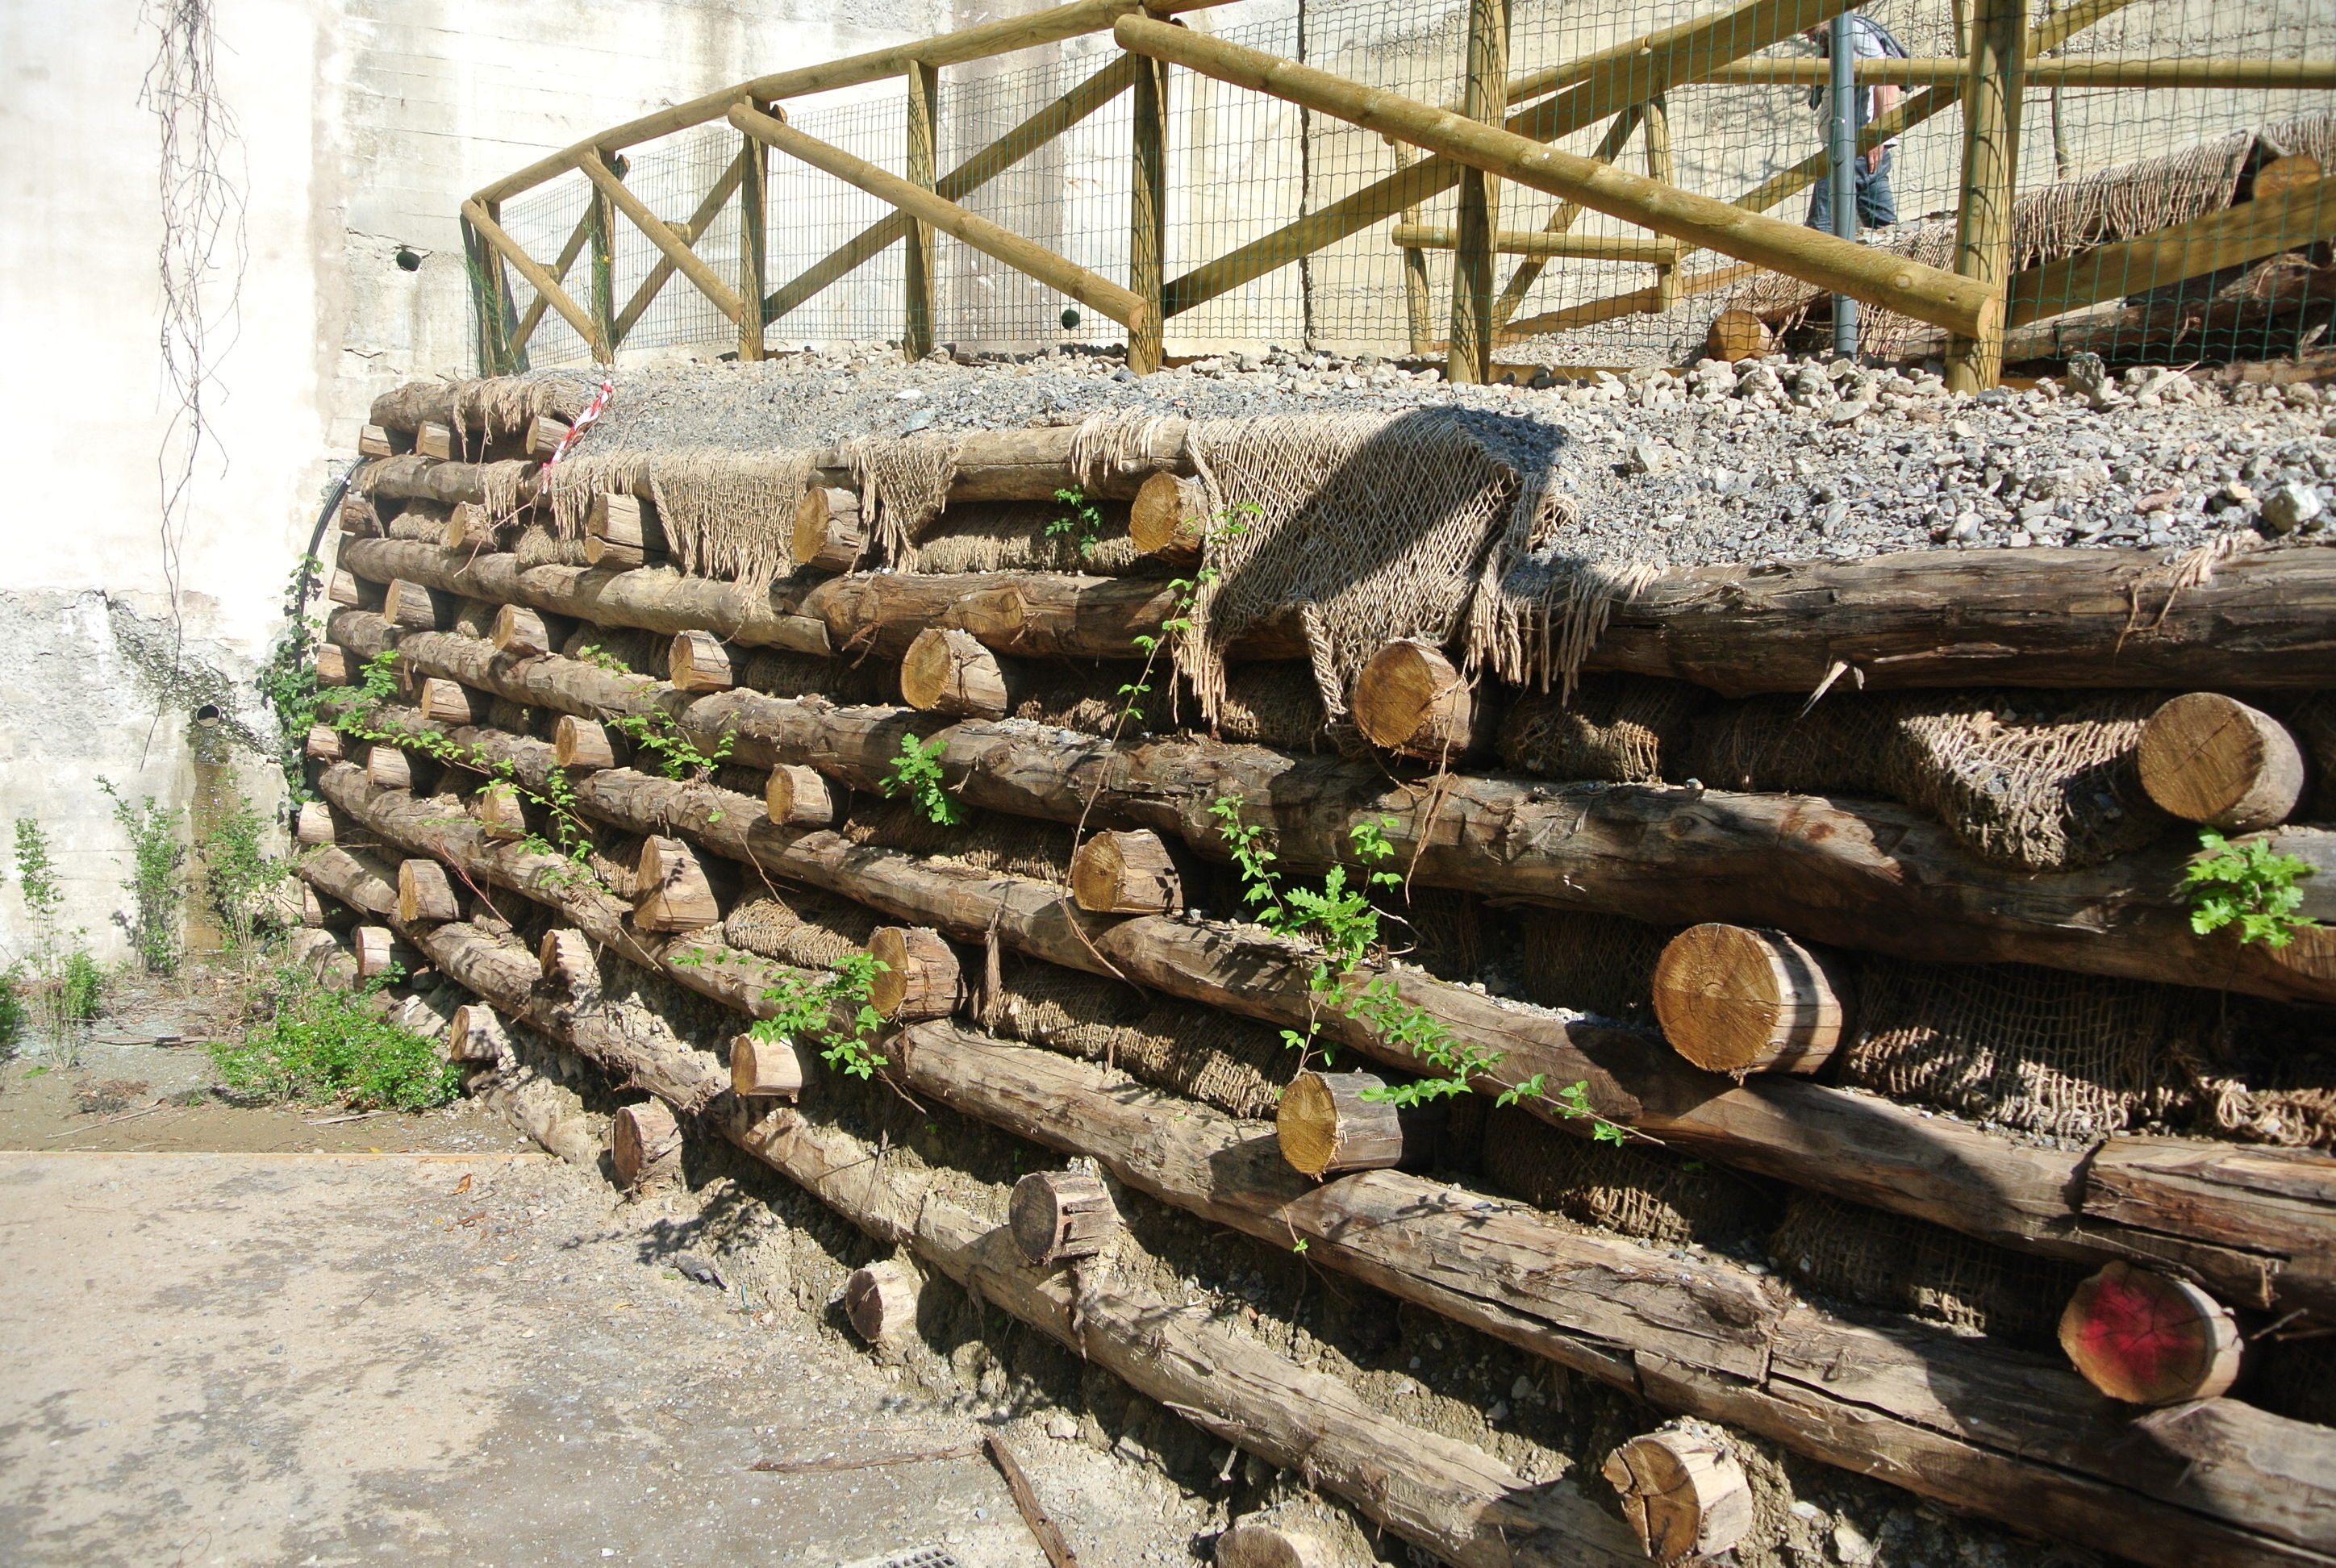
(154, 884)
(1342, 922)
(807, 1008)
(80, 986)
(592, 653)
(12, 1011)
(1086, 520)
(677, 756)
(1185, 592)
(917, 774)
(237, 873)
(288, 681)
(321, 1044)
(63, 979)
(2250, 885)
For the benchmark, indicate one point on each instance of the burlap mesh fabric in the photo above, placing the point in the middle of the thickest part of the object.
(1372, 526)
(2079, 1055)
(473, 618)
(808, 929)
(2295, 1377)
(1006, 845)
(1861, 1255)
(903, 484)
(1272, 704)
(419, 519)
(1441, 929)
(2047, 225)
(849, 682)
(725, 514)
(537, 545)
(2039, 780)
(1593, 963)
(643, 652)
(2313, 722)
(1616, 728)
(1012, 536)
(1642, 1193)
(500, 408)
(1235, 1064)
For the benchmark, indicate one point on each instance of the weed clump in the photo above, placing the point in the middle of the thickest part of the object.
(318, 1043)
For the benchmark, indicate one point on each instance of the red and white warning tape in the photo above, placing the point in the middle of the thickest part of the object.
(592, 411)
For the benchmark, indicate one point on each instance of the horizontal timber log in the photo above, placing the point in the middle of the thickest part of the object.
(1449, 1498)
(1581, 1299)
(1865, 874)
(1035, 614)
(412, 478)
(2258, 1243)
(2044, 617)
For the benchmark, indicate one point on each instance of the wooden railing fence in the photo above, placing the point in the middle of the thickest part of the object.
(1500, 130)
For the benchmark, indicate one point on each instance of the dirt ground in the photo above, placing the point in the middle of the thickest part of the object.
(280, 1335)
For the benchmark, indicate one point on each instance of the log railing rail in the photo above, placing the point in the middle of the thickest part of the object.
(1465, 143)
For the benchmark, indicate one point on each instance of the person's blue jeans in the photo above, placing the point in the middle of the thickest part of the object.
(1876, 207)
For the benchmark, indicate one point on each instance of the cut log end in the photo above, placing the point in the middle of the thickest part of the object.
(1169, 519)
(323, 742)
(331, 665)
(802, 797)
(358, 519)
(1325, 1125)
(761, 1067)
(1685, 1494)
(544, 434)
(949, 671)
(520, 631)
(2209, 758)
(389, 768)
(424, 893)
(645, 1144)
(920, 978)
(371, 944)
(342, 588)
(431, 439)
(881, 1302)
(449, 702)
(1411, 698)
(373, 441)
(2149, 1340)
(413, 606)
(1262, 1545)
(314, 825)
(1737, 334)
(580, 742)
(699, 662)
(1125, 874)
(1061, 1214)
(1732, 999)
(672, 893)
(565, 957)
(2282, 175)
(475, 1034)
(829, 533)
(498, 812)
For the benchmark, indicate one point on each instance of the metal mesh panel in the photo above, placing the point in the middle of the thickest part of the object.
(2097, 163)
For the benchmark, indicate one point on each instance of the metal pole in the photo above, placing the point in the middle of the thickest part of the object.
(1841, 150)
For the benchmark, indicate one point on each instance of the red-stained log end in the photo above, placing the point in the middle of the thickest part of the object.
(2149, 1340)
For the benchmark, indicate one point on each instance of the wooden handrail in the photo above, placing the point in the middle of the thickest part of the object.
(2247, 232)
(960, 182)
(2099, 70)
(1611, 80)
(1533, 242)
(725, 299)
(1001, 37)
(543, 281)
(1057, 272)
(688, 233)
(1892, 282)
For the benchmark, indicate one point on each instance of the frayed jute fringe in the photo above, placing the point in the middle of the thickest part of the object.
(1537, 625)
(903, 484)
(1374, 526)
(725, 514)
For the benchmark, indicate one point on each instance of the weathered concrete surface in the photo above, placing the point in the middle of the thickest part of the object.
(251, 1359)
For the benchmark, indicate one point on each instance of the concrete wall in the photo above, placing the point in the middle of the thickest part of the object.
(362, 124)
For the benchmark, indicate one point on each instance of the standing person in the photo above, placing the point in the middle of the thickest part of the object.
(1876, 207)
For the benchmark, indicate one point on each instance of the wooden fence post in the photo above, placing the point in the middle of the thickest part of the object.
(1418, 302)
(924, 106)
(1657, 125)
(1470, 357)
(1991, 92)
(1147, 237)
(603, 241)
(754, 192)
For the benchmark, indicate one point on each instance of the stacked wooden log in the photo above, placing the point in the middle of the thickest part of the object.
(691, 783)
